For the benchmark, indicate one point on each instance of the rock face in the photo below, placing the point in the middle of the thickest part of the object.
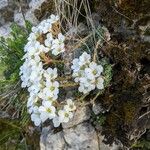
(78, 134)
(83, 112)
(33, 11)
(81, 137)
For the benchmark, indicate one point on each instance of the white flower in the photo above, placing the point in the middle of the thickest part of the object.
(47, 111)
(100, 83)
(32, 100)
(96, 69)
(41, 84)
(49, 39)
(86, 89)
(51, 88)
(75, 67)
(65, 116)
(56, 121)
(57, 48)
(70, 105)
(89, 74)
(54, 18)
(86, 73)
(50, 74)
(58, 45)
(85, 58)
(61, 38)
(35, 116)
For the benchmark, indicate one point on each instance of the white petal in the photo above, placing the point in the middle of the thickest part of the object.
(56, 122)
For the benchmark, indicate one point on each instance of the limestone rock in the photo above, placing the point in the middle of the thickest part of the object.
(82, 137)
(5, 30)
(3, 3)
(29, 15)
(34, 4)
(82, 114)
(51, 141)
(18, 18)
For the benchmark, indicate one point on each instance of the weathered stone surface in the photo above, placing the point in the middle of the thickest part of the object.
(3, 3)
(82, 114)
(18, 18)
(29, 15)
(82, 137)
(51, 141)
(5, 30)
(34, 4)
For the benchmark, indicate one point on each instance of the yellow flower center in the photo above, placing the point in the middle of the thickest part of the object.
(49, 110)
(94, 72)
(52, 88)
(66, 115)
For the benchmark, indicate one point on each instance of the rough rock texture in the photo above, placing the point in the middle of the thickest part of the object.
(13, 11)
(83, 137)
(3, 3)
(5, 30)
(83, 112)
(78, 134)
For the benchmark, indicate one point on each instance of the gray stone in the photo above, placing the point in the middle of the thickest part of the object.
(35, 4)
(82, 137)
(5, 30)
(82, 114)
(102, 145)
(18, 18)
(51, 141)
(29, 15)
(3, 3)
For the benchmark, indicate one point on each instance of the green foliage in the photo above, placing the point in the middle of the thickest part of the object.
(144, 144)
(100, 119)
(8, 129)
(11, 51)
(107, 71)
(13, 98)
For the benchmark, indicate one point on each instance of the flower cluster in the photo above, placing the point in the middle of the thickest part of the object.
(42, 84)
(87, 73)
(46, 37)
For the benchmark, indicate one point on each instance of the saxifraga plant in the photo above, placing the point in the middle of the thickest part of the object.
(12, 97)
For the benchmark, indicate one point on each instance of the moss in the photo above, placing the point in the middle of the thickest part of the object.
(132, 8)
(130, 110)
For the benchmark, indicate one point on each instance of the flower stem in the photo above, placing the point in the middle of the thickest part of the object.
(70, 84)
(64, 78)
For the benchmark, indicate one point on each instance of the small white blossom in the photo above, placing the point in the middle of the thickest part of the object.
(58, 45)
(54, 18)
(50, 74)
(65, 115)
(47, 111)
(100, 83)
(35, 116)
(70, 105)
(51, 88)
(49, 39)
(56, 121)
(87, 73)
(40, 82)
